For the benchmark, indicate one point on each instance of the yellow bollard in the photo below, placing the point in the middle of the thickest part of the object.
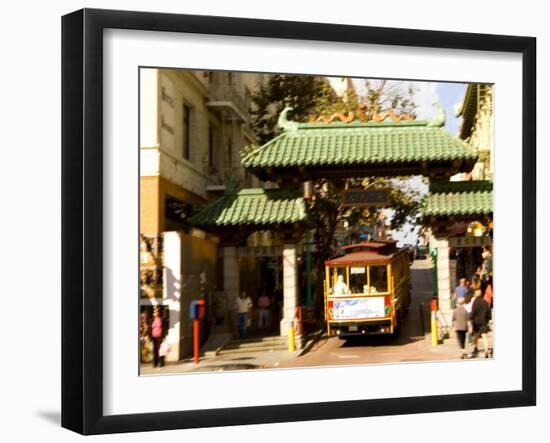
(435, 338)
(291, 346)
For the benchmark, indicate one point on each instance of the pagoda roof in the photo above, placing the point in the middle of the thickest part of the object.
(462, 198)
(368, 148)
(255, 208)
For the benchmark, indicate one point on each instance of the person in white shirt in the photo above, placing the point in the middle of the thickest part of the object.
(340, 288)
(243, 307)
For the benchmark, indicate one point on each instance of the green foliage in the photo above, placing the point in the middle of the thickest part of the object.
(384, 95)
(299, 91)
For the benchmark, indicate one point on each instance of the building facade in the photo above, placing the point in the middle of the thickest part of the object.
(193, 125)
(460, 212)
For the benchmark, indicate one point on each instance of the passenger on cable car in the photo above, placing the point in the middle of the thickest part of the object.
(340, 288)
(371, 290)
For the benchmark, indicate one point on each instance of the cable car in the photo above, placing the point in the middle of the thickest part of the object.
(367, 289)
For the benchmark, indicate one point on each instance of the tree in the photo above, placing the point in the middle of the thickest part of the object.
(311, 97)
(389, 95)
(299, 91)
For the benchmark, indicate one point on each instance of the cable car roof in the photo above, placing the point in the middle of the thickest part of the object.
(374, 252)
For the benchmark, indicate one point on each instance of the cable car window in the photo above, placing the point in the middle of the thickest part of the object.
(340, 283)
(378, 278)
(358, 280)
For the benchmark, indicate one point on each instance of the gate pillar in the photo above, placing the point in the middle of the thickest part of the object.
(290, 287)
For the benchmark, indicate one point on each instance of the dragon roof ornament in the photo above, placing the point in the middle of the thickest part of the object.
(439, 120)
(364, 114)
(284, 123)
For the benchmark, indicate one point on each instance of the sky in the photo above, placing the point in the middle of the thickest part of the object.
(425, 95)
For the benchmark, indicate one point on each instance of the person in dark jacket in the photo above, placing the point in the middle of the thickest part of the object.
(479, 319)
(460, 325)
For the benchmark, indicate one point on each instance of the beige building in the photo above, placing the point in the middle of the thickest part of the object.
(193, 125)
(478, 127)
(469, 225)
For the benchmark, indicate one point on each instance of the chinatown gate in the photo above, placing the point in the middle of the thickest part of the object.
(344, 146)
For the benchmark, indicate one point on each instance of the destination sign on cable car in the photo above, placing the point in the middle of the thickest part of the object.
(366, 197)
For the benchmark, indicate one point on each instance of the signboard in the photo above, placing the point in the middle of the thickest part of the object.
(372, 307)
(469, 242)
(366, 198)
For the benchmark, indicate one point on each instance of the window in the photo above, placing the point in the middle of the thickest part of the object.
(378, 278)
(211, 147)
(186, 132)
(339, 282)
(357, 280)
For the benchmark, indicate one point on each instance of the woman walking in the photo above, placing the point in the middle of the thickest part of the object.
(460, 325)
(156, 335)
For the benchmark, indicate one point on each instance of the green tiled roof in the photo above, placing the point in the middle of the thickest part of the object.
(340, 144)
(253, 207)
(459, 198)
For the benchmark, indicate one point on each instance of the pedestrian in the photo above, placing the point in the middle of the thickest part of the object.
(156, 335)
(163, 351)
(264, 303)
(487, 265)
(488, 295)
(476, 282)
(243, 306)
(460, 325)
(479, 319)
(461, 290)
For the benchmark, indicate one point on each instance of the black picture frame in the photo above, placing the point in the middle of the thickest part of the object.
(82, 232)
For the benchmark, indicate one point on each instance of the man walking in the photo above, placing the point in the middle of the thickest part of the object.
(243, 306)
(479, 318)
(461, 290)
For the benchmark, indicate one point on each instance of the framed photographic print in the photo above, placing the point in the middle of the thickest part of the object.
(270, 221)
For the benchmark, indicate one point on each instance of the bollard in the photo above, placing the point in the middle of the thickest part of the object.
(291, 346)
(435, 338)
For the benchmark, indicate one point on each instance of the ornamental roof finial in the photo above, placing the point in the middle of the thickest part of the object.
(284, 123)
(439, 120)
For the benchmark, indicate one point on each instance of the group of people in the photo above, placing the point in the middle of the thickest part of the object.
(473, 314)
(244, 310)
(341, 289)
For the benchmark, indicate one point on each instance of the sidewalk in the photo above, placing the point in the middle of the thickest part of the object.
(450, 344)
(211, 360)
